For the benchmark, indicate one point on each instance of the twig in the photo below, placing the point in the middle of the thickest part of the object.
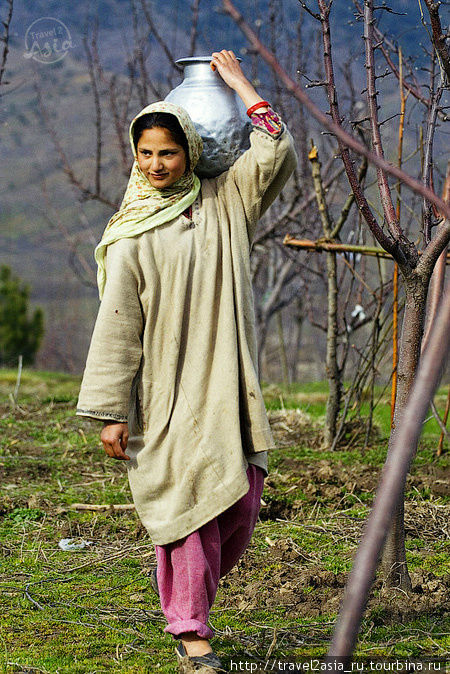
(441, 439)
(395, 352)
(439, 421)
(361, 201)
(116, 507)
(294, 209)
(19, 376)
(30, 598)
(333, 371)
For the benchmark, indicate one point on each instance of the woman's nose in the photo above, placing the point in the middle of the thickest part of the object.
(155, 163)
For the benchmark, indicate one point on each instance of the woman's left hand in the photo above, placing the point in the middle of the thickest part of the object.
(229, 69)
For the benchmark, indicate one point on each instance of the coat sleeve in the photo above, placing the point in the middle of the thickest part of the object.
(116, 346)
(260, 173)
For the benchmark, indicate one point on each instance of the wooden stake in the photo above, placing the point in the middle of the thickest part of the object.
(119, 507)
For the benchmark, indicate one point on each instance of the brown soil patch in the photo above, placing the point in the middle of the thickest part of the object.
(310, 591)
(297, 483)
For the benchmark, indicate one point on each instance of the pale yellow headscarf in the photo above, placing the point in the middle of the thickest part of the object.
(144, 206)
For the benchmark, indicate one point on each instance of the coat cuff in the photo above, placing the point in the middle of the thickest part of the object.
(102, 416)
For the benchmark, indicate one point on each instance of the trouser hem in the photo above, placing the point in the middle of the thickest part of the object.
(181, 626)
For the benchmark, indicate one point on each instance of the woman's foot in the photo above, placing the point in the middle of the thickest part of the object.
(207, 663)
(194, 645)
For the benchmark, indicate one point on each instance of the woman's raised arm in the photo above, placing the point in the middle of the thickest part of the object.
(259, 174)
(231, 72)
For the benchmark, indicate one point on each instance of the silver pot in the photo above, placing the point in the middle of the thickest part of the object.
(218, 113)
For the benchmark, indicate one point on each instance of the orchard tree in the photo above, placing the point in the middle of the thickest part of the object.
(19, 334)
(415, 269)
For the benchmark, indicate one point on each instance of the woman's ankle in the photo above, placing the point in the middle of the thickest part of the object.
(195, 645)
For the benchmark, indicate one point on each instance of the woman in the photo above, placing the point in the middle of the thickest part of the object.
(172, 366)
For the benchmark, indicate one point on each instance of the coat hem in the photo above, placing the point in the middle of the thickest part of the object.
(196, 517)
(261, 439)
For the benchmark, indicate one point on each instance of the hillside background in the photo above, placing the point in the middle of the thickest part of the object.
(37, 201)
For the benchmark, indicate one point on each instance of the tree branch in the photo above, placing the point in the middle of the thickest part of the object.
(159, 39)
(346, 138)
(361, 201)
(438, 276)
(98, 112)
(5, 39)
(414, 89)
(86, 192)
(438, 37)
(428, 161)
(383, 186)
(194, 29)
(433, 250)
(350, 199)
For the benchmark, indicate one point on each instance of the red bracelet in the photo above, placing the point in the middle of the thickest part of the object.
(259, 104)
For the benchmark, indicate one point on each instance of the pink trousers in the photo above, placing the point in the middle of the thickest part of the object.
(189, 570)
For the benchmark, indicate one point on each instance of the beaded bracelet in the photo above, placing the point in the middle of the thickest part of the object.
(259, 104)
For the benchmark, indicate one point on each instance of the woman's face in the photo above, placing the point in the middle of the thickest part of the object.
(160, 159)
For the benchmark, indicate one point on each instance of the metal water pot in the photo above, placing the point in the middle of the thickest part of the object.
(218, 113)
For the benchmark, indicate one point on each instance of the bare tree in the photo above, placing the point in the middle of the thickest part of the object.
(416, 270)
(391, 486)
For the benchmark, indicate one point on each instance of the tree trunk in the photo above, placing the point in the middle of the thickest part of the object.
(394, 566)
(297, 340)
(282, 347)
(332, 369)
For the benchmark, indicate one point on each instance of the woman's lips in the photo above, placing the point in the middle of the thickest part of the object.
(159, 175)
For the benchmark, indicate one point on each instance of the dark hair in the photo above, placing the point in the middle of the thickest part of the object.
(166, 121)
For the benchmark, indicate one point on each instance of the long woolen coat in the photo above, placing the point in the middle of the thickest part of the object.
(173, 350)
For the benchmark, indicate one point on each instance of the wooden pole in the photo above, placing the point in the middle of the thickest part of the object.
(320, 245)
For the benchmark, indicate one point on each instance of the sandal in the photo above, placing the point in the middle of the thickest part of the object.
(208, 663)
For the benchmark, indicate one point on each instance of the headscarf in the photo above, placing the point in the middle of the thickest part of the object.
(144, 206)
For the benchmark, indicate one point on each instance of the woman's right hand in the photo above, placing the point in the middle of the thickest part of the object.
(229, 69)
(114, 437)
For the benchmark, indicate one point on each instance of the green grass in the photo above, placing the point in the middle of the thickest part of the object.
(93, 610)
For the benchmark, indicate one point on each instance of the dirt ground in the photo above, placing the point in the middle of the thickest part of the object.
(309, 513)
(296, 579)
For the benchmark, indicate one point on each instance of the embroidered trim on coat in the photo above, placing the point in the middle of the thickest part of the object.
(103, 415)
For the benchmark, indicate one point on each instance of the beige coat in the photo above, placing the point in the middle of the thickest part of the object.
(173, 350)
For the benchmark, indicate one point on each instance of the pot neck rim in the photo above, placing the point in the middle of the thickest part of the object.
(192, 60)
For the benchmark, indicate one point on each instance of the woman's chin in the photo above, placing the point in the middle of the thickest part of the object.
(160, 182)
